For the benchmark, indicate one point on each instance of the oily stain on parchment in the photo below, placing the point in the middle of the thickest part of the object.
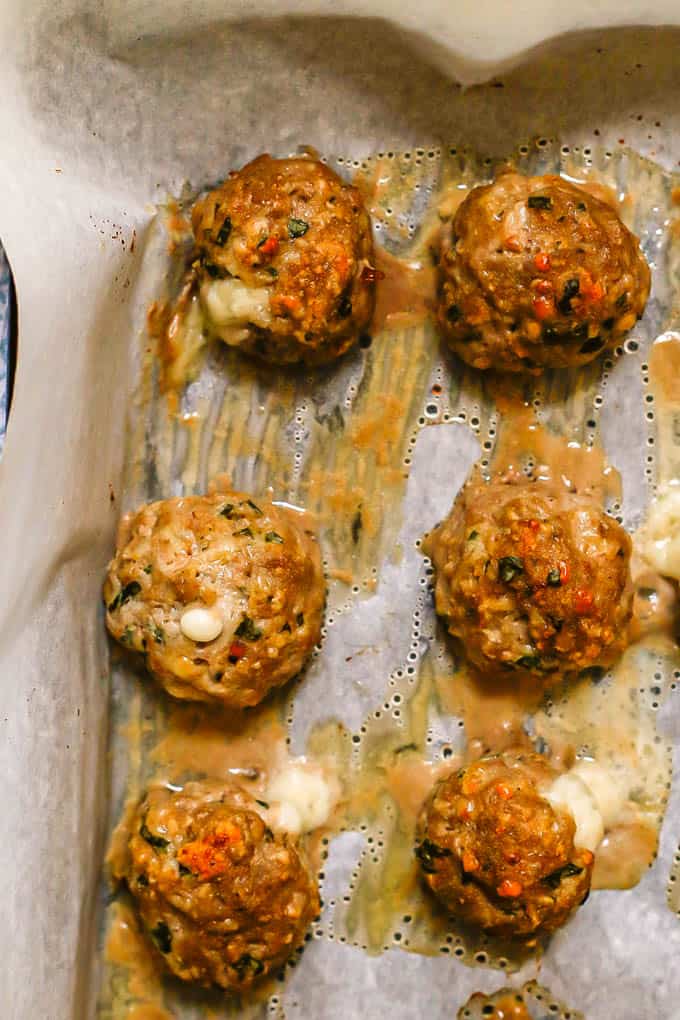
(339, 442)
(526, 1003)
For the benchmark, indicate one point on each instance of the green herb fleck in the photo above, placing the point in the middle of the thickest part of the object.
(246, 532)
(272, 536)
(158, 634)
(247, 629)
(553, 578)
(248, 966)
(566, 871)
(254, 507)
(127, 635)
(646, 593)
(510, 567)
(272, 271)
(473, 535)
(162, 936)
(148, 568)
(300, 618)
(158, 841)
(571, 289)
(528, 662)
(345, 307)
(427, 852)
(183, 870)
(286, 626)
(453, 313)
(142, 880)
(539, 202)
(262, 803)
(594, 344)
(581, 206)
(227, 511)
(297, 228)
(622, 300)
(212, 270)
(225, 231)
(124, 595)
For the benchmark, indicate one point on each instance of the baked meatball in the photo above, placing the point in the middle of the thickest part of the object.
(532, 578)
(285, 261)
(223, 595)
(496, 852)
(224, 900)
(536, 272)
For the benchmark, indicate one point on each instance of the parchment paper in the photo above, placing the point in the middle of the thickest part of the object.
(98, 121)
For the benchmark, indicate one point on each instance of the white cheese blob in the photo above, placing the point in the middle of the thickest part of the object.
(301, 797)
(610, 791)
(232, 305)
(186, 340)
(570, 793)
(661, 533)
(201, 624)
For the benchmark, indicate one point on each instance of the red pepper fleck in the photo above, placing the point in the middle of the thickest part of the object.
(512, 244)
(564, 571)
(270, 246)
(542, 262)
(583, 601)
(542, 286)
(237, 650)
(544, 308)
(504, 791)
(470, 862)
(534, 524)
(509, 888)
(370, 275)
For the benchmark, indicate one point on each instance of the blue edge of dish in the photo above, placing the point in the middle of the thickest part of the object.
(5, 312)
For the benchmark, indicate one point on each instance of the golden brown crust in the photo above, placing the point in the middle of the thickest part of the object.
(224, 901)
(532, 578)
(257, 566)
(294, 227)
(536, 272)
(495, 851)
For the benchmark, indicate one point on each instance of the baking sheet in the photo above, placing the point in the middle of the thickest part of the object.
(107, 124)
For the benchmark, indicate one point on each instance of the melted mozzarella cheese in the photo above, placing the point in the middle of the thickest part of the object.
(609, 791)
(593, 796)
(301, 797)
(661, 544)
(570, 793)
(231, 306)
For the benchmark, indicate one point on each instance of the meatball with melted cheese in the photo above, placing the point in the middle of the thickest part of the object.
(497, 853)
(224, 900)
(532, 578)
(535, 273)
(223, 595)
(285, 254)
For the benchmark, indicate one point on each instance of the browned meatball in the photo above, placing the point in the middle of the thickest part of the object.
(224, 900)
(223, 595)
(497, 853)
(286, 255)
(536, 272)
(532, 578)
